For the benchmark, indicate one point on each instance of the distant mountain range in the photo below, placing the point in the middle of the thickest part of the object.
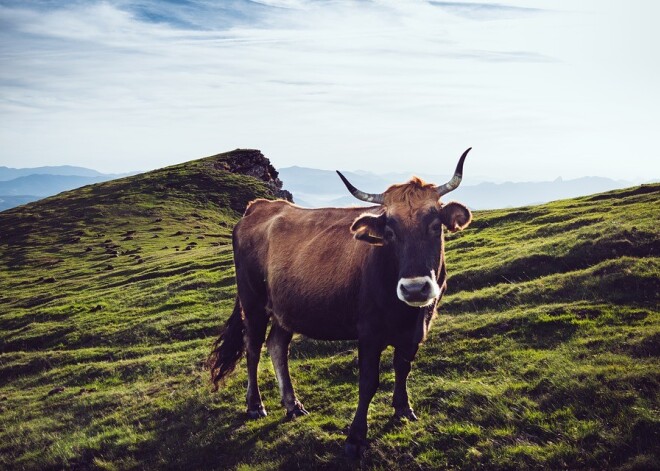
(47, 185)
(23, 185)
(8, 173)
(317, 188)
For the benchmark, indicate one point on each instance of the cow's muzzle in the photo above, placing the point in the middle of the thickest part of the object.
(418, 291)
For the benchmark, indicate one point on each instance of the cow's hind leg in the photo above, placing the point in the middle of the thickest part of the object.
(256, 322)
(278, 348)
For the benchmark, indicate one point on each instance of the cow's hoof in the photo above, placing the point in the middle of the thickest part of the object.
(354, 450)
(407, 413)
(257, 413)
(297, 411)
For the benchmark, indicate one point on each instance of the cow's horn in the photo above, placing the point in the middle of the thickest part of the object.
(456, 179)
(361, 195)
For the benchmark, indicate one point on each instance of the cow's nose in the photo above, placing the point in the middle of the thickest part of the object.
(418, 291)
(415, 290)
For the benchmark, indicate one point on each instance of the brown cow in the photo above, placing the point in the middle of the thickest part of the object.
(374, 274)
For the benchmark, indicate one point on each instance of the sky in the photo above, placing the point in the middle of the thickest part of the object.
(539, 89)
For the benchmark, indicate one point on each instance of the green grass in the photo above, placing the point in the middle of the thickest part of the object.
(544, 353)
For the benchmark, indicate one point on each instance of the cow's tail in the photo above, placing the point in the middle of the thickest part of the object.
(229, 347)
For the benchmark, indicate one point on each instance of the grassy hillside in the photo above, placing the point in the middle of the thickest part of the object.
(545, 352)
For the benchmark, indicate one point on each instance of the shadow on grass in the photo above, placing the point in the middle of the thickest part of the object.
(538, 332)
(195, 436)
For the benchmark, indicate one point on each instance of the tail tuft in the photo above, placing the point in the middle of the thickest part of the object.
(229, 346)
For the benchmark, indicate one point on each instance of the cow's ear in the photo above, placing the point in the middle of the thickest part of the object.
(369, 228)
(455, 216)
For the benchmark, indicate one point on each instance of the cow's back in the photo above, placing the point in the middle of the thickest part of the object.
(306, 261)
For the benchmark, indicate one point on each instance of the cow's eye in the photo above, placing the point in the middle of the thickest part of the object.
(435, 228)
(389, 234)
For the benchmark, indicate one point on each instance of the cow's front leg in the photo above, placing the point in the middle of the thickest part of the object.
(402, 364)
(369, 362)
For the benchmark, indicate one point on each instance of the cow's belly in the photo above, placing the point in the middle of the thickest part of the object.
(315, 316)
(313, 326)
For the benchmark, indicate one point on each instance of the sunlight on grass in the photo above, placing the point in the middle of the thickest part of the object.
(544, 353)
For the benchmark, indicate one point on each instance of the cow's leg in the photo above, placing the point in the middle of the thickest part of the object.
(256, 321)
(402, 364)
(369, 362)
(278, 347)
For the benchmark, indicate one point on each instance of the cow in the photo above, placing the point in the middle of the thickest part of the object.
(373, 274)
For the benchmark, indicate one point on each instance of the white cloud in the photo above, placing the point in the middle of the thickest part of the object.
(389, 85)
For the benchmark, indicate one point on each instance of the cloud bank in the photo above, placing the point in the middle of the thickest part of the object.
(539, 91)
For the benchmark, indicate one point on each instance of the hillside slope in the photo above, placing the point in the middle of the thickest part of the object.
(7, 202)
(544, 354)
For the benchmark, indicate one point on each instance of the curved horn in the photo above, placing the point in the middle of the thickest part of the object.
(361, 195)
(456, 179)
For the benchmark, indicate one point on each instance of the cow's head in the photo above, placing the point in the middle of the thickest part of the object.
(411, 227)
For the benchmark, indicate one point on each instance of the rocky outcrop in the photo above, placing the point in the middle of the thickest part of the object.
(252, 162)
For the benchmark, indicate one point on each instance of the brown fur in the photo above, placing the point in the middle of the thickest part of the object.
(284, 244)
(408, 198)
(413, 193)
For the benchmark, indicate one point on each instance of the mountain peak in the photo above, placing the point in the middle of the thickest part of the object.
(253, 163)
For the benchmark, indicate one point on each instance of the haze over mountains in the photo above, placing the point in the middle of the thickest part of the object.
(316, 188)
(23, 185)
(8, 173)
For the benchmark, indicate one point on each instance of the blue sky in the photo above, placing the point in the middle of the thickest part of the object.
(540, 89)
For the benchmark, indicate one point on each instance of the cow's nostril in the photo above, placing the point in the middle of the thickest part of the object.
(417, 291)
